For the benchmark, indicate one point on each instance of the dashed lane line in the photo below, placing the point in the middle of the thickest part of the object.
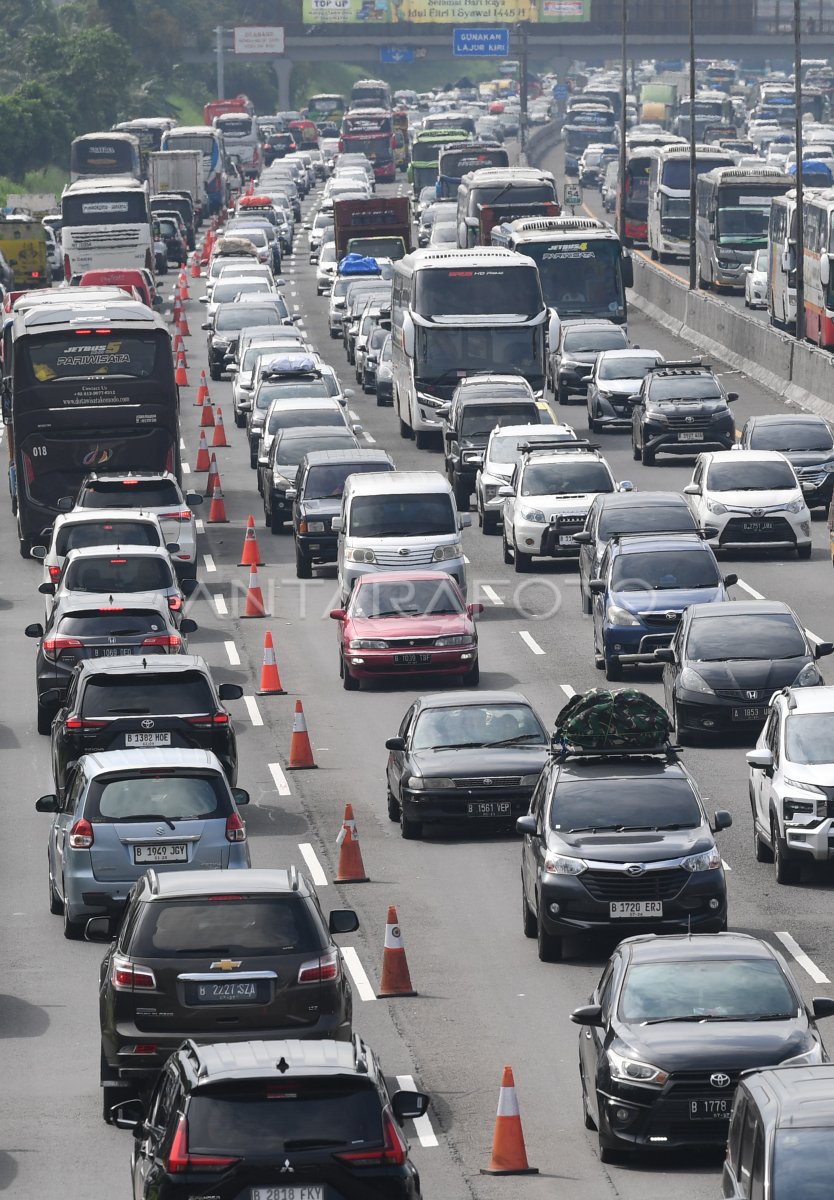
(568, 690)
(492, 596)
(357, 973)
(231, 650)
(530, 641)
(220, 605)
(745, 587)
(798, 954)
(369, 438)
(186, 468)
(253, 710)
(422, 1125)
(199, 525)
(279, 779)
(209, 563)
(313, 865)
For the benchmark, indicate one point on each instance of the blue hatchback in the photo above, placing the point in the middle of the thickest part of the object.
(645, 582)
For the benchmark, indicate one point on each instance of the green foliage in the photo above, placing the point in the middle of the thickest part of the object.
(51, 179)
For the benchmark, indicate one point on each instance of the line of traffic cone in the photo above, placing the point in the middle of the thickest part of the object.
(195, 266)
(351, 868)
(396, 980)
(176, 312)
(217, 511)
(301, 752)
(213, 480)
(270, 679)
(202, 463)
(219, 439)
(202, 391)
(207, 414)
(177, 344)
(181, 377)
(251, 555)
(182, 325)
(254, 605)
(509, 1154)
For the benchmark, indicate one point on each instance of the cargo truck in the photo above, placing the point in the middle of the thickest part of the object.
(377, 217)
(178, 171)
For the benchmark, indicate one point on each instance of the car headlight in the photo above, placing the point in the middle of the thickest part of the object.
(279, 480)
(490, 490)
(620, 616)
(473, 457)
(360, 555)
(691, 681)
(710, 860)
(448, 552)
(814, 1055)
(632, 1070)
(828, 467)
(368, 644)
(315, 526)
(429, 401)
(221, 343)
(416, 783)
(715, 506)
(560, 864)
(793, 807)
(657, 418)
(534, 514)
(456, 639)
(804, 787)
(795, 506)
(809, 676)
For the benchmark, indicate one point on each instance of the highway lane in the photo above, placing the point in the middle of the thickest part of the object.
(484, 999)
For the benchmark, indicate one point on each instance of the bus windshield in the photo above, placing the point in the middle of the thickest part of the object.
(580, 278)
(103, 155)
(509, 193)
(478, 291)
(78, 354)
(743, 223)
(446, 354)
(105, 208)
(676, 170)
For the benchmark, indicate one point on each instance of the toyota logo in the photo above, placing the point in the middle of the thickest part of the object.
(147, 724)
(757, 512)
(404, 551)
(635, 869)
(689, 420)
(719, 1080)
(672, 616)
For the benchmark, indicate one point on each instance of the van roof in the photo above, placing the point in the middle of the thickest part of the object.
(397, 482)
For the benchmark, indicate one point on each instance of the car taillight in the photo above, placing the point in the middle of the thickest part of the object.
(235, 828)
(321, 970)
(220, 718)
(180, 1160)
(81, 836)
(175, 603)
(28, 468)
(67, 268)
(126, 976)
(171, 641)
(392, 1153)
(76, 723)
(54, 574)
(185, 515)
(52, 647)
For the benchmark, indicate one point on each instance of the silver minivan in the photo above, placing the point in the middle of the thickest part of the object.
(407, 520)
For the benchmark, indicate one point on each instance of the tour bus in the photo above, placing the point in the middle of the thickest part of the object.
(242, 137)
(585, 123)
(209, 141)
(781, 261)
(456, 313)
(711, 108)
(93, 387)
(521, 185)
(632, 217)
(326, 106)
(370, 93)
(818, 227)
(425, 156)
(148, 132)
(450, 120)
(733, 213)
(582, 266)
(455, 161)
(668, 218)
(99, 154)
(370, 131)
(106, 223)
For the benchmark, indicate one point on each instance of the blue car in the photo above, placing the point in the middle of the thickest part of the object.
(645, 582)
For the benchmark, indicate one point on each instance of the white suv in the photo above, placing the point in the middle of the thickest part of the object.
(749, 500)
(500, 457)
(792, 780)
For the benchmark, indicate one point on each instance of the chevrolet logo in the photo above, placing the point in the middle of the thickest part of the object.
(225, 964)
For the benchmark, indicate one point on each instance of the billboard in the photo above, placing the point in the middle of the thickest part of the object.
(443, 12)
(259, 39)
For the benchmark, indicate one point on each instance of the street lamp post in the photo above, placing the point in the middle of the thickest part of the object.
(621, 224)
(800, 233)
(693, 266)
(219, 32)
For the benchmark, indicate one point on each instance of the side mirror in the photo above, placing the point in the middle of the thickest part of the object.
(204, 299)
(34, 631)
(625, 485)
(409, 1105)
(99, 929)
(721, 820)
(233, 370)
(664, 655)
(337, 525)
(193, 499)
(822, 1006)
(825, 270)
(189, 586)
(47, 803)
(464, 520)
(342, 920)
(172, 547)
(47, 589)
(596, 586)
(130, 1114)
(506, 491)
(526, 825)
(65, 504)
(730, 579)
(760, 760)
(356, 427)
(291, 493)
(473, 609)
(588, 1014)
(241, 796)
(337, 614)
(205, 325)
(627, 270)
(395, 744)
(408, 336)
(39, 552)
(583, 538)
(732, 397)
(51, 696)
(230, 691)
(692, 489)
(187, 625)
(349, 393)
(823, 649)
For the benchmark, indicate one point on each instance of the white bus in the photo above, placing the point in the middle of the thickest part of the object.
(732, 220)
(242, 137)
(781, 261)
(106, 223)
(818, 233)
(668, 219)
(94, 155)
(456, 313)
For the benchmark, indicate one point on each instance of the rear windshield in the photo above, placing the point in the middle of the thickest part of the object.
(664, 570)
(294, 418)
(270, 1118)
(291, 450)
(643, 802)
(617, 367)
(145, 694)
(481, 419)
(584, 341)
(671, 518)
(238, 316)
(138, 493)
(295, 387)
(788, 436)
(116, 622)
(244, 926)
(79, 354)
(117, 574)
(105, 533)
(402, 516)
(565, 479)
(180, 797)
(325, 482)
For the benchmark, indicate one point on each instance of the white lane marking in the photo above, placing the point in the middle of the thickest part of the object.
(567, 689)
(231, 650)
(353, 416)
(492, 596)
(253, 710)
(530, 641)
(313, 865)
(357, 973)
(369, 439)
(279, 779)
(422, 1125)
(220, 605)
(745, 587)
(812, 637)
(182, 443)
(466, 560)
(198, 525)
(209, 562)
(799, 955)
(726, 865)
(186, 469)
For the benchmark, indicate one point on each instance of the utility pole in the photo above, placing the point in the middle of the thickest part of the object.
(800, 233)
(621, 207)
(219, 32)
(522, 91)
(693, 266)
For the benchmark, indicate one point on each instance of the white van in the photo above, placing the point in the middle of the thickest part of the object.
(406, 520)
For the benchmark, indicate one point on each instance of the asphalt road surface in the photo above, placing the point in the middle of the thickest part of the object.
(484, 998)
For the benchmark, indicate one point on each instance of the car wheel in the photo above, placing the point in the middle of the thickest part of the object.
(646, 456)
(214, 372)
(303, 565)
(593, 424)
(761, 852)
(549, 944)
(253, 460)
(73, 930)
(393, 808)
(787, 870)
(613, 670)
(508, 558)
(45, 716)
(56, 904)
(422, 439)
(410, 830)
(405, 430)
(585, 603)
(528, 917)
(462, 495)
(276, 521)
(240, 419)
(349, 683)
(380, 400)
(472, 677)
(490, 524)
(607, 1154)
(635, 449)
(562, 395)
(587, 1120)
(522, 563)
(804, 551)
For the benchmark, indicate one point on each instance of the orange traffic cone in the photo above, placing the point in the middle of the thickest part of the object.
(396, 980)
(177, 345)
(181, 378)
(270, 679)
(207, 414)
(251, 555)
(254, 606)
(217, 512)
(219, 439)
(202, 391)
(183, 325)
(208, 246)
(301, 752)
(213, 480)
(351, 869)
(195, 266)
(202, 463)
(509, 1156)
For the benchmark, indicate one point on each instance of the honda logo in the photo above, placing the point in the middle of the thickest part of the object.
(718, 1079)
(147, 724)
(752, 695)
(635, 869)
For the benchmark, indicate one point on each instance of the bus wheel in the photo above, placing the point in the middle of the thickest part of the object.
(23, 545)
(653, 253)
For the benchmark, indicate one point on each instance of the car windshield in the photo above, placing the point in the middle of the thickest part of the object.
(685, 387)
(723, 988)
(478, 420)
(147, 694)
(792, 435)
(505, 449)
(290, 450)
(400, 516)
(642, 802)
(473, 725)
(592, 341)
(809, 738)
(616, 366)
(406, 598)
(803, 1164)
(637, 518)
(286, 417)
(665, 570)
(292, 388)
(739, 476)
(82, 535)
(565, 479)
(243, 926)
(763, 636)
(132, 493)
(238, 316)
(117, 573)
(326, 482)
(157, 797)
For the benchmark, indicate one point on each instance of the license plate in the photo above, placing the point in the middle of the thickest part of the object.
(753, 712)
(409, 660)
(566, 539)
(757, 526)
(234, 991)
(147, 739)
(111, 651)
(165, 853)
(690, 436)
(635, 908)
(717, 1109)
(488, 808)
(297, 1191)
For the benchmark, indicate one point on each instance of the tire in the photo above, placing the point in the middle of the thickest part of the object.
(348, 682)
(646, 457)
(472, 677)
(786, 869)
(609, 1155)
(410, 831)
(405, 430)
(549, 944)
(214, 372)
(653, 254)
(635, 449)
(490, 523)
(422, 440)
(110, 1096)
(562, 395)
(44, 719)
(593, 425)
(804, 552)
(73, 930)
(528, 917)
(253, 460)
(24, 546)
(613, 670)
(585, 603)
(380, 401)
(240, 419)
(508, 558)
(522, 563)
(303, 565)
(462, 495)
(276, 524)
(761, 852)
(587, 1120)
(393, 808)
(56, 904)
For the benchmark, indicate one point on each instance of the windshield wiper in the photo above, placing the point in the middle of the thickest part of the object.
(609, 828)
(459, 746)
(148, 817)
(514, 741)
(698, 1017)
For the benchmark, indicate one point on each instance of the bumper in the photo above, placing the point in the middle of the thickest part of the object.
(573, 382)
(667, 441)
(814, 841)
(822, 494)
(352, 571)
(698, 713)
(730, 277)
(625, 639)
(376, 664)
(557, 543)
(634, 1118)
(455, 806)
(217, 356)
(785, 534)
(610, 414)
(320, 547)
(566, 907)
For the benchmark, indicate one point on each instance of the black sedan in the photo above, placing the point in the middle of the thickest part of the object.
(672, 1024)
(726, 661)
(464, 758)
(806, 442)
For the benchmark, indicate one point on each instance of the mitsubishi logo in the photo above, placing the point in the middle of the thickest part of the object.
(719, 1080)
(147, 724)
(288, 1170)
(635, 869)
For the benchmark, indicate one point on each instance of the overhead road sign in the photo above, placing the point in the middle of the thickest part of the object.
(267, 40)
(375, 13)
(396, 54)
(481, 43)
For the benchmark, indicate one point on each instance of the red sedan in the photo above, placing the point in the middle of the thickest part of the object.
(405, 624)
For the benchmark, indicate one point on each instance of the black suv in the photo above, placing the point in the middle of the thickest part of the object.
(205, 957)
(132, 701)
(479, 404)
(807, 443)
(619, 842)
(225, 326)
(243, 1119)
(681, 408)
